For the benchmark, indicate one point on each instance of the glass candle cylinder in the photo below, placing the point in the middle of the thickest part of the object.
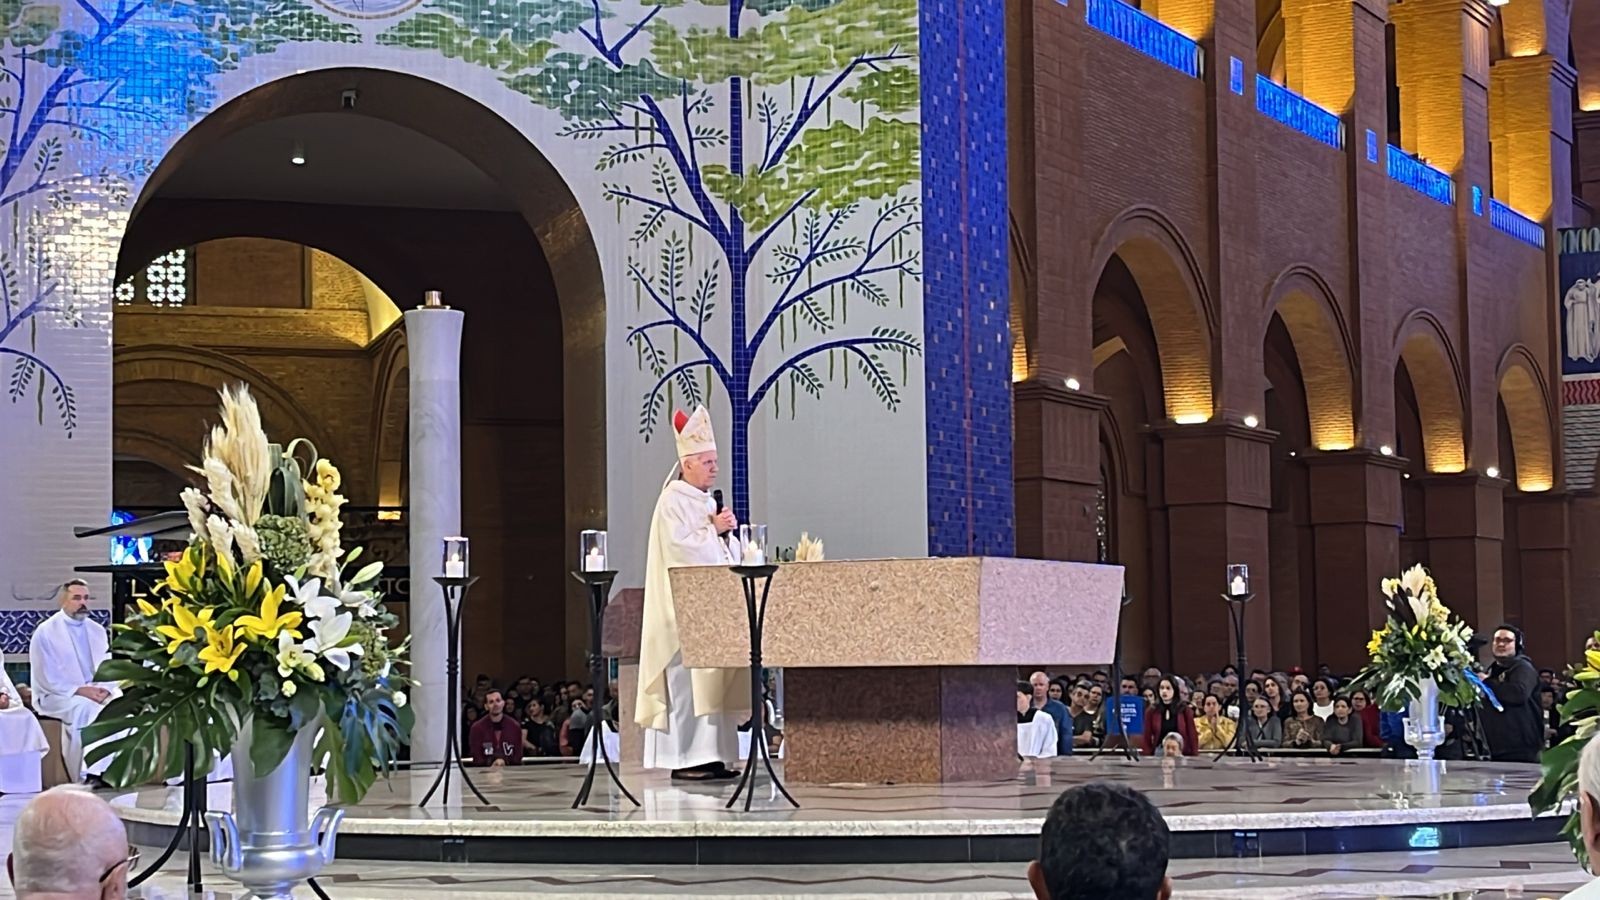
(592, 551)
(752, 545)
(1238, 580)
(455, 557)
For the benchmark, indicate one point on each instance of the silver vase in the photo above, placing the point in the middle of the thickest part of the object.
(265, 843)
(1424, 726)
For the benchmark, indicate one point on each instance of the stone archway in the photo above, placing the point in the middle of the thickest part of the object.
(1173, 292)
(1304, 302)
(1435, 377)
(1527, 415)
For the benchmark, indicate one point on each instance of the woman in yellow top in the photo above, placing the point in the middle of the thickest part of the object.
(1215, 729)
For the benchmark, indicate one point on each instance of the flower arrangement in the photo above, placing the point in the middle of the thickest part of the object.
(1421, 639)
(263, 620)
(1558, 779)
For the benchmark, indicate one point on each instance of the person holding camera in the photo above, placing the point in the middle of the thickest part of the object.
(1514, 733)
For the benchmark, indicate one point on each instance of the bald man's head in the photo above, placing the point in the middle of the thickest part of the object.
(69, 844)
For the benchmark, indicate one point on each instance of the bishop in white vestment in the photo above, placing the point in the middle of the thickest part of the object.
(690, 716)
(65, 651)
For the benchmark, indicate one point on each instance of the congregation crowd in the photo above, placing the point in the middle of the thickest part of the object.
(1289, 711)
(529, 720)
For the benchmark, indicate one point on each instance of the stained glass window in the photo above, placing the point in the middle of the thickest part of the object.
(166, 282)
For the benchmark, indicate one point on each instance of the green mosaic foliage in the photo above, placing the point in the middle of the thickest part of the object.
(801, 43)
(519, 24)
(26, 24)
(860, 164)
(586, 88)
(894, 90)
(452, 39)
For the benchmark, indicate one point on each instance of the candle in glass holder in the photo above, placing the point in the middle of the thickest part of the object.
(455, 557)
(592, 551)
(753, 545)
(1238, 580)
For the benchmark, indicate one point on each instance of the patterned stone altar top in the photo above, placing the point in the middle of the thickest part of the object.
(970, 611)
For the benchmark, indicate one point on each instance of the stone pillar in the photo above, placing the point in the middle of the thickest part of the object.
(1531, 126)
(1586, 135)
(433, 347)
(1442, 66)
(1465, 525)
(1335, 55)
(1217, 485)
(1355, 518)
(1544, 526)
(1057, 468)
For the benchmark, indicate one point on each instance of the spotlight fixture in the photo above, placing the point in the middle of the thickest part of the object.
(1073, 384)
(1293, 453)
(1405, 474)
(1386, 450)
(1492, 471)
(298, 155)
(1251, 421)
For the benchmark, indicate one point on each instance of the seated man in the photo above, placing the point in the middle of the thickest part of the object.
(495, 739)
(65, 650)
(22, 742)
(1102, 842)
(1036, 731)
(68, 843)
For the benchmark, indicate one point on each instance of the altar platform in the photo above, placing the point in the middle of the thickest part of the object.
(1215, 810)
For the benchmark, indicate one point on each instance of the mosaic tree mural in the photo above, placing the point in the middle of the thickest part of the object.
(759, 153)
(70, 95)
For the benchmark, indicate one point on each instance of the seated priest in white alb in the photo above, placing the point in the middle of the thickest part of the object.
(1036, 731)
(22, 743)
(691, 716)
(65, 651)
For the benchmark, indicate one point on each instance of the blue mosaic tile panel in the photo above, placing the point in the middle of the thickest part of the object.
(967, 329)
(17, 625)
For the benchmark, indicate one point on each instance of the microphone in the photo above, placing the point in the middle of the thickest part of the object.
(717, 496)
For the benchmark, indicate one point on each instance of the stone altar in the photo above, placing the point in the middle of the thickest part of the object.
(904, 670)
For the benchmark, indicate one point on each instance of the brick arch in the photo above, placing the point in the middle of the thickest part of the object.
(451, 106)
(1022, 279)
(1527, 406)
(190, 365)
(1170, 282)
(1305, 304)
(1436, 378)
(157, 449)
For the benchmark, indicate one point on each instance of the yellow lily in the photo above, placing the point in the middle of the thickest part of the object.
(221, 651)
(146, 608)
(267, 625)
(1592, 657)
(252, 579)
(185, 624)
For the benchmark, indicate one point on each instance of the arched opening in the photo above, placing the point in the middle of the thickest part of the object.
(1409, 445)
(1128, 374)
(1291, 541)
(416, 188)
(1522, 432)
(1271, 40)
(1165, 278)
(1436, 388)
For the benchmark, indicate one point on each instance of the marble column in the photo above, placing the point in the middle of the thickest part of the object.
(433, 347)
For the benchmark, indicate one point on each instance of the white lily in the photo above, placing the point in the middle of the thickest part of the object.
(399, 699)
(360, 601)
(294, 657)
(327, 634)
(1435, 659)
(311, 598)
(1419, 607)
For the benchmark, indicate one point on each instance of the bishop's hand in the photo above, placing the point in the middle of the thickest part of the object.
(725, 521)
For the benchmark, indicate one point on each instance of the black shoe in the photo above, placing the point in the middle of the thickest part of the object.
(721, 772)
(95, 783)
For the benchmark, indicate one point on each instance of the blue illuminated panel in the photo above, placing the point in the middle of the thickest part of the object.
(1421, 177)
(1278, 102)
(1146, 34)
(1236, 75)
(1516, 224)
(1477, 200)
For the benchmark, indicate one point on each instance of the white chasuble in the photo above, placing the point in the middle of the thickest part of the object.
(691, 716)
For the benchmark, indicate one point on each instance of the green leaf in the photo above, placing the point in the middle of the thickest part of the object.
(269, 743)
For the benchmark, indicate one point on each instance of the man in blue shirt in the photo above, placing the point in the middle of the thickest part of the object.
(1055, 709)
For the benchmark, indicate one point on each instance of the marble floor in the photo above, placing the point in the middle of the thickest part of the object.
(1484, 874)
(1522, 872)
(1194, 794)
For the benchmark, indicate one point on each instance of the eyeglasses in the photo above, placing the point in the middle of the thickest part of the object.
(132, 862)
